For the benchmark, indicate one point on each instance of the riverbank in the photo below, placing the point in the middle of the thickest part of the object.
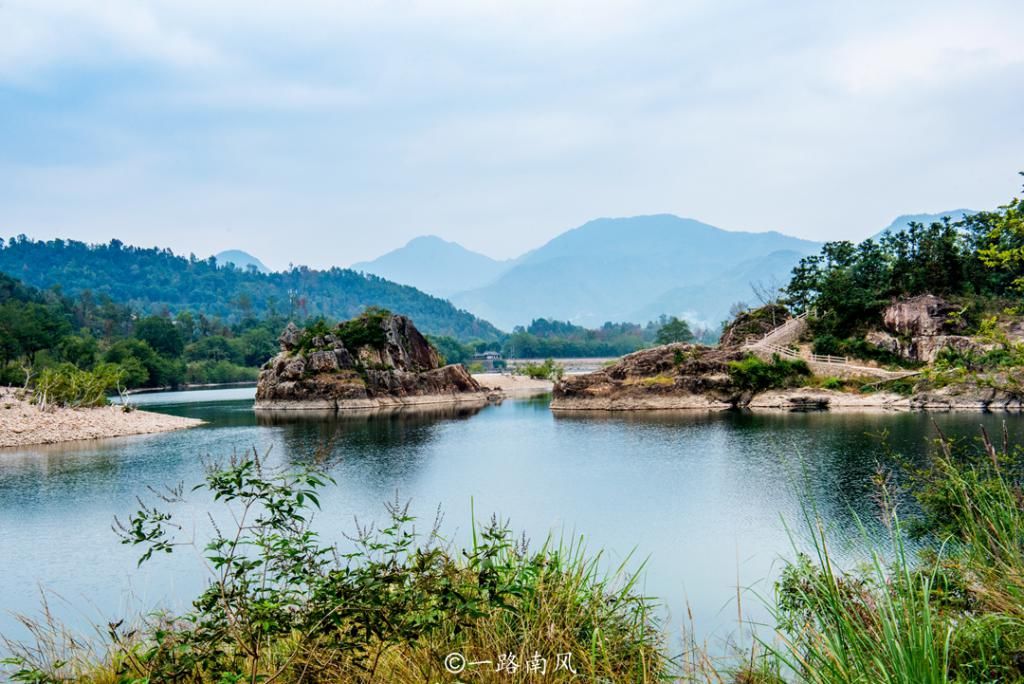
(513, 385)
(23, 424)
(795, 399)
(694, 377)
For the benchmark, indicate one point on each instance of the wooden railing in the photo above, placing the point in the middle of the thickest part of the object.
(791, 353)
(780, 350)
(828, 358)
(764, 344)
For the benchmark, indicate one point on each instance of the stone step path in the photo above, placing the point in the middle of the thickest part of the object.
(776, 341)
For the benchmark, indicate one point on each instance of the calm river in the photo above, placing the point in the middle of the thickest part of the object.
(703, 498)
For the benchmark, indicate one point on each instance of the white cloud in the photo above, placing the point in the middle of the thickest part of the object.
(933, 49)
(498, 123)
(35, 34)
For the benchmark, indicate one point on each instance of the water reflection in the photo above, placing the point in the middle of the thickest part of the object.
(702, 494)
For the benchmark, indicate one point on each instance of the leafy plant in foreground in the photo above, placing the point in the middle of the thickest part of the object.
(283, 606)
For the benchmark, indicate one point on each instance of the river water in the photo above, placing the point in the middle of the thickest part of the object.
(704, 499)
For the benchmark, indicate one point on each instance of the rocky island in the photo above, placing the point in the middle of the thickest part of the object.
(377, 360)
(766, 360)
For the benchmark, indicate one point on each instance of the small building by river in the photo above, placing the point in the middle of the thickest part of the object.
(490, 360)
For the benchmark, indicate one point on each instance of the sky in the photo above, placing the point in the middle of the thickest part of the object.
(327, 132)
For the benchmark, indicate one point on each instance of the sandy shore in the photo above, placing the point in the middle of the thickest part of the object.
(513, 384)
(22, 423)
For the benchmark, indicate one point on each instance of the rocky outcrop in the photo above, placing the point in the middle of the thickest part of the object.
(681, 376)
(753, 325)
(922, 315)
(672, 376)
(374, 361)
(919, 328)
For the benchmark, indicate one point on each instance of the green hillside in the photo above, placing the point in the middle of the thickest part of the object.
(157, 281)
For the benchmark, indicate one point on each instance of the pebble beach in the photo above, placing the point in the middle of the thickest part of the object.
(23, 423)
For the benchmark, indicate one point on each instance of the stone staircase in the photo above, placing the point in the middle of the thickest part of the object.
(778, 341)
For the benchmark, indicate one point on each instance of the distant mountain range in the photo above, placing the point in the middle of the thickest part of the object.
(436, 266)
(240, 259)
(611, 269)
(621, 269)
(904, 221)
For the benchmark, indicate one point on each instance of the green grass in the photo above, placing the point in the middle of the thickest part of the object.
(751, 373)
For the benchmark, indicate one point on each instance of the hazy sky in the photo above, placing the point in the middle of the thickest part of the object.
(324, 133)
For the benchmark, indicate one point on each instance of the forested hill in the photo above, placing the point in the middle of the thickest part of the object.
(154, 280)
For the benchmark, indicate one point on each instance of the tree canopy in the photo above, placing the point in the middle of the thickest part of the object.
(156, 282)
(847, 285)
(674, 330)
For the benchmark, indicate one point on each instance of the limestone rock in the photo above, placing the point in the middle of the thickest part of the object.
(289, 339)
(393, 365)
(293, 369)
(323, 361)
(926, 348)
(670, 376)
(922, 315)
(753, 324)
(883, 340)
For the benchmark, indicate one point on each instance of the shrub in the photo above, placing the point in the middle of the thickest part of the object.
(957, 615)
(67, 385)
(317, 329)
(876, 625)
(367, 329)
(549, 370)
(217, 372)
(858, 348)
(756, 375)
(832, 384)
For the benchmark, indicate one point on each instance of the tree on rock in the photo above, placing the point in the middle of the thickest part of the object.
(674, 330)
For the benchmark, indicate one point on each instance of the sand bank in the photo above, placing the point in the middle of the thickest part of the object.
(22, 423)
(512, 384)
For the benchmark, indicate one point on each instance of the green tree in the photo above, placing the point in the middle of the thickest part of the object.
(185, 322)
(33, 326)
(80, 350)
(674, 330)
(212, 348)
(999, 239)
(161, 334)
(256, 345)
(156, 370)
(451, 350)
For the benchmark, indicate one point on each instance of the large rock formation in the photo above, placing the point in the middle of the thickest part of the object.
(919, 328)
(922, 315)
(753, 325)
(373, 361)
(673, 376)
